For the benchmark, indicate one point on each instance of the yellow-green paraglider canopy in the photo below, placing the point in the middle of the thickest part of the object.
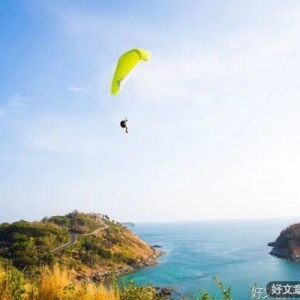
(126, 63)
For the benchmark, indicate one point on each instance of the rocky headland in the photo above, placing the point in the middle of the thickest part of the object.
(90, 244)
(287, 244)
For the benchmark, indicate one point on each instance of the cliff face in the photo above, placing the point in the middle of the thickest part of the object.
(287, 244)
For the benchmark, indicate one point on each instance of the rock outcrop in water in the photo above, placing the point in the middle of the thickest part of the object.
(287, 244)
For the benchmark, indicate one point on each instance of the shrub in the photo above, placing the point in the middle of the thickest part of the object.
(226, 293)
(133, 292)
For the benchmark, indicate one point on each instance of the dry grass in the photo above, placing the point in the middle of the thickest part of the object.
(91, 292)
(3, 285)
(53, 284)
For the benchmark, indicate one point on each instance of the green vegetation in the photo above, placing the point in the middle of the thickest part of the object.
(88, 243)
(133, 292)
(226, 292)
(28, 244)
(289, 238)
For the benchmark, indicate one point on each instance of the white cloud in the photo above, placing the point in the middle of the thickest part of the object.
(239, 66)
(77, 89)
(17, 101)
(15, 104)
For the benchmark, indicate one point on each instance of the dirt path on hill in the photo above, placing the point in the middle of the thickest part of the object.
(73, 238)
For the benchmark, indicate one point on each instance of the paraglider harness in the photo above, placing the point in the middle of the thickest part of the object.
(123, 124)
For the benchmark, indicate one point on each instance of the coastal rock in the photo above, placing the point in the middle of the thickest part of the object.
(136, 265)
(287, 244)
(102, 275)
(165, 292)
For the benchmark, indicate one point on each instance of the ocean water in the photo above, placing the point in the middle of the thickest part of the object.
(234, 251)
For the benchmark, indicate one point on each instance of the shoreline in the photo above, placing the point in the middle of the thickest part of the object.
(283, 253)
(152, 260)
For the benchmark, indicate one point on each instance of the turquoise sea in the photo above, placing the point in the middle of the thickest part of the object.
(234, 251)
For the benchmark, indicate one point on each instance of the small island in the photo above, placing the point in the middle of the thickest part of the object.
(128, 224)
(287, 244)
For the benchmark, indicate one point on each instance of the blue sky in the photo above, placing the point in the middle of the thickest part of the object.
(213, 117)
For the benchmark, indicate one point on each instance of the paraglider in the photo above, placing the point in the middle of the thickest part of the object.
(123, 124)
(126, 64)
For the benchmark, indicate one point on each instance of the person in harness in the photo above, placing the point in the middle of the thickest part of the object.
(123, 124)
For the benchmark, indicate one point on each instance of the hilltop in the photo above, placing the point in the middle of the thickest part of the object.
(91, 244)
(287, 244)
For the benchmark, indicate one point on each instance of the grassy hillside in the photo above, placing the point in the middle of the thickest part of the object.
(88, 243)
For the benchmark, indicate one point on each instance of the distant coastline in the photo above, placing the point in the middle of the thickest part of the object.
(128, 224)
